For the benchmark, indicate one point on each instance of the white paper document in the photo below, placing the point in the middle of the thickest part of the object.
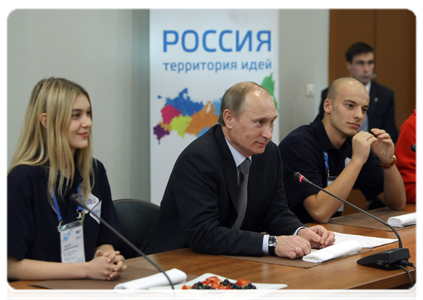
(334, 251)
(175, 275)
(365, 241)
(404, 220)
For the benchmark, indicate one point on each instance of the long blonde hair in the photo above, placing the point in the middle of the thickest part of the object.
(48, 146)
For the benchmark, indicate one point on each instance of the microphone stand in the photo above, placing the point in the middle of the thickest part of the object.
(390, 259)
(75, 199)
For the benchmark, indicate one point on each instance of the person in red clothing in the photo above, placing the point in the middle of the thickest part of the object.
(406, 163)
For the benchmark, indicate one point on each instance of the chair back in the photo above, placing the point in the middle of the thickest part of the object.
(136, 217)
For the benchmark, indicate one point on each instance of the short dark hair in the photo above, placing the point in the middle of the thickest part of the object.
(357, 49)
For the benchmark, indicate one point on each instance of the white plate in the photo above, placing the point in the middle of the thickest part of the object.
(262, 288)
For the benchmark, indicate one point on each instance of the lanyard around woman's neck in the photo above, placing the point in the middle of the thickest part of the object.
(56, 206)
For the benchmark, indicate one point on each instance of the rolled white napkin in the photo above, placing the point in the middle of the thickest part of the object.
(404, 220)
(334, 251)
(175, 275)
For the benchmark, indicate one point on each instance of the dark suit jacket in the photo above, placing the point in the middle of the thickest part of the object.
(198, 208)
(381, 113)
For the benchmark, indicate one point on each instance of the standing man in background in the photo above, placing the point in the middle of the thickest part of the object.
(381, 114)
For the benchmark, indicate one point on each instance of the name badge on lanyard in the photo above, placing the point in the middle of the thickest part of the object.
(72, 242)
(71, 237)
(331, 179)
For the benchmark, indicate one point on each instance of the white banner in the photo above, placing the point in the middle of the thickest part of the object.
(195, 56)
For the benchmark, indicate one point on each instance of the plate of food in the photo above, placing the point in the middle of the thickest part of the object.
(211, 286)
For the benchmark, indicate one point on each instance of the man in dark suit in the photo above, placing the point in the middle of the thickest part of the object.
(200, 206)
(381, 114)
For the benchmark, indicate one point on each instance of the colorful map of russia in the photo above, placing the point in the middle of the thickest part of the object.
(185, 116)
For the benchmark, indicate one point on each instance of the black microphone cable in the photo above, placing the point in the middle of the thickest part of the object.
(411, 280)
(401, 264)
(75, 199)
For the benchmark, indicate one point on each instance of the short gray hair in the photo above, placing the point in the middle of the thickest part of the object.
(234, 97)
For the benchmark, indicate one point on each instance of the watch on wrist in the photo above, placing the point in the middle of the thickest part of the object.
(273, 240)
(387, 166)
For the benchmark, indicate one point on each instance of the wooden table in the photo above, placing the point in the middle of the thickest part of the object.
(340, 274)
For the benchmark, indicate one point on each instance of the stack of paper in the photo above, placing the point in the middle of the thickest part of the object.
(365, 241)
(403, 220)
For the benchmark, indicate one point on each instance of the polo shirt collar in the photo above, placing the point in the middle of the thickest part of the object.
(321, 134)
(324, 140)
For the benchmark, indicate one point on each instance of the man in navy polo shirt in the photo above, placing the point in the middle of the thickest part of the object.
(332, 153)
(360, 58)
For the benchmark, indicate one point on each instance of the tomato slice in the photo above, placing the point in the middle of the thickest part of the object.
(242, 282)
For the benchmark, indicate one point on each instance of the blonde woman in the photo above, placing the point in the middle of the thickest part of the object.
(48, 236)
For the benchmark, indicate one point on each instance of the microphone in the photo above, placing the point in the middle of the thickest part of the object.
(389, 259)
(413, 148)
(74, 198)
